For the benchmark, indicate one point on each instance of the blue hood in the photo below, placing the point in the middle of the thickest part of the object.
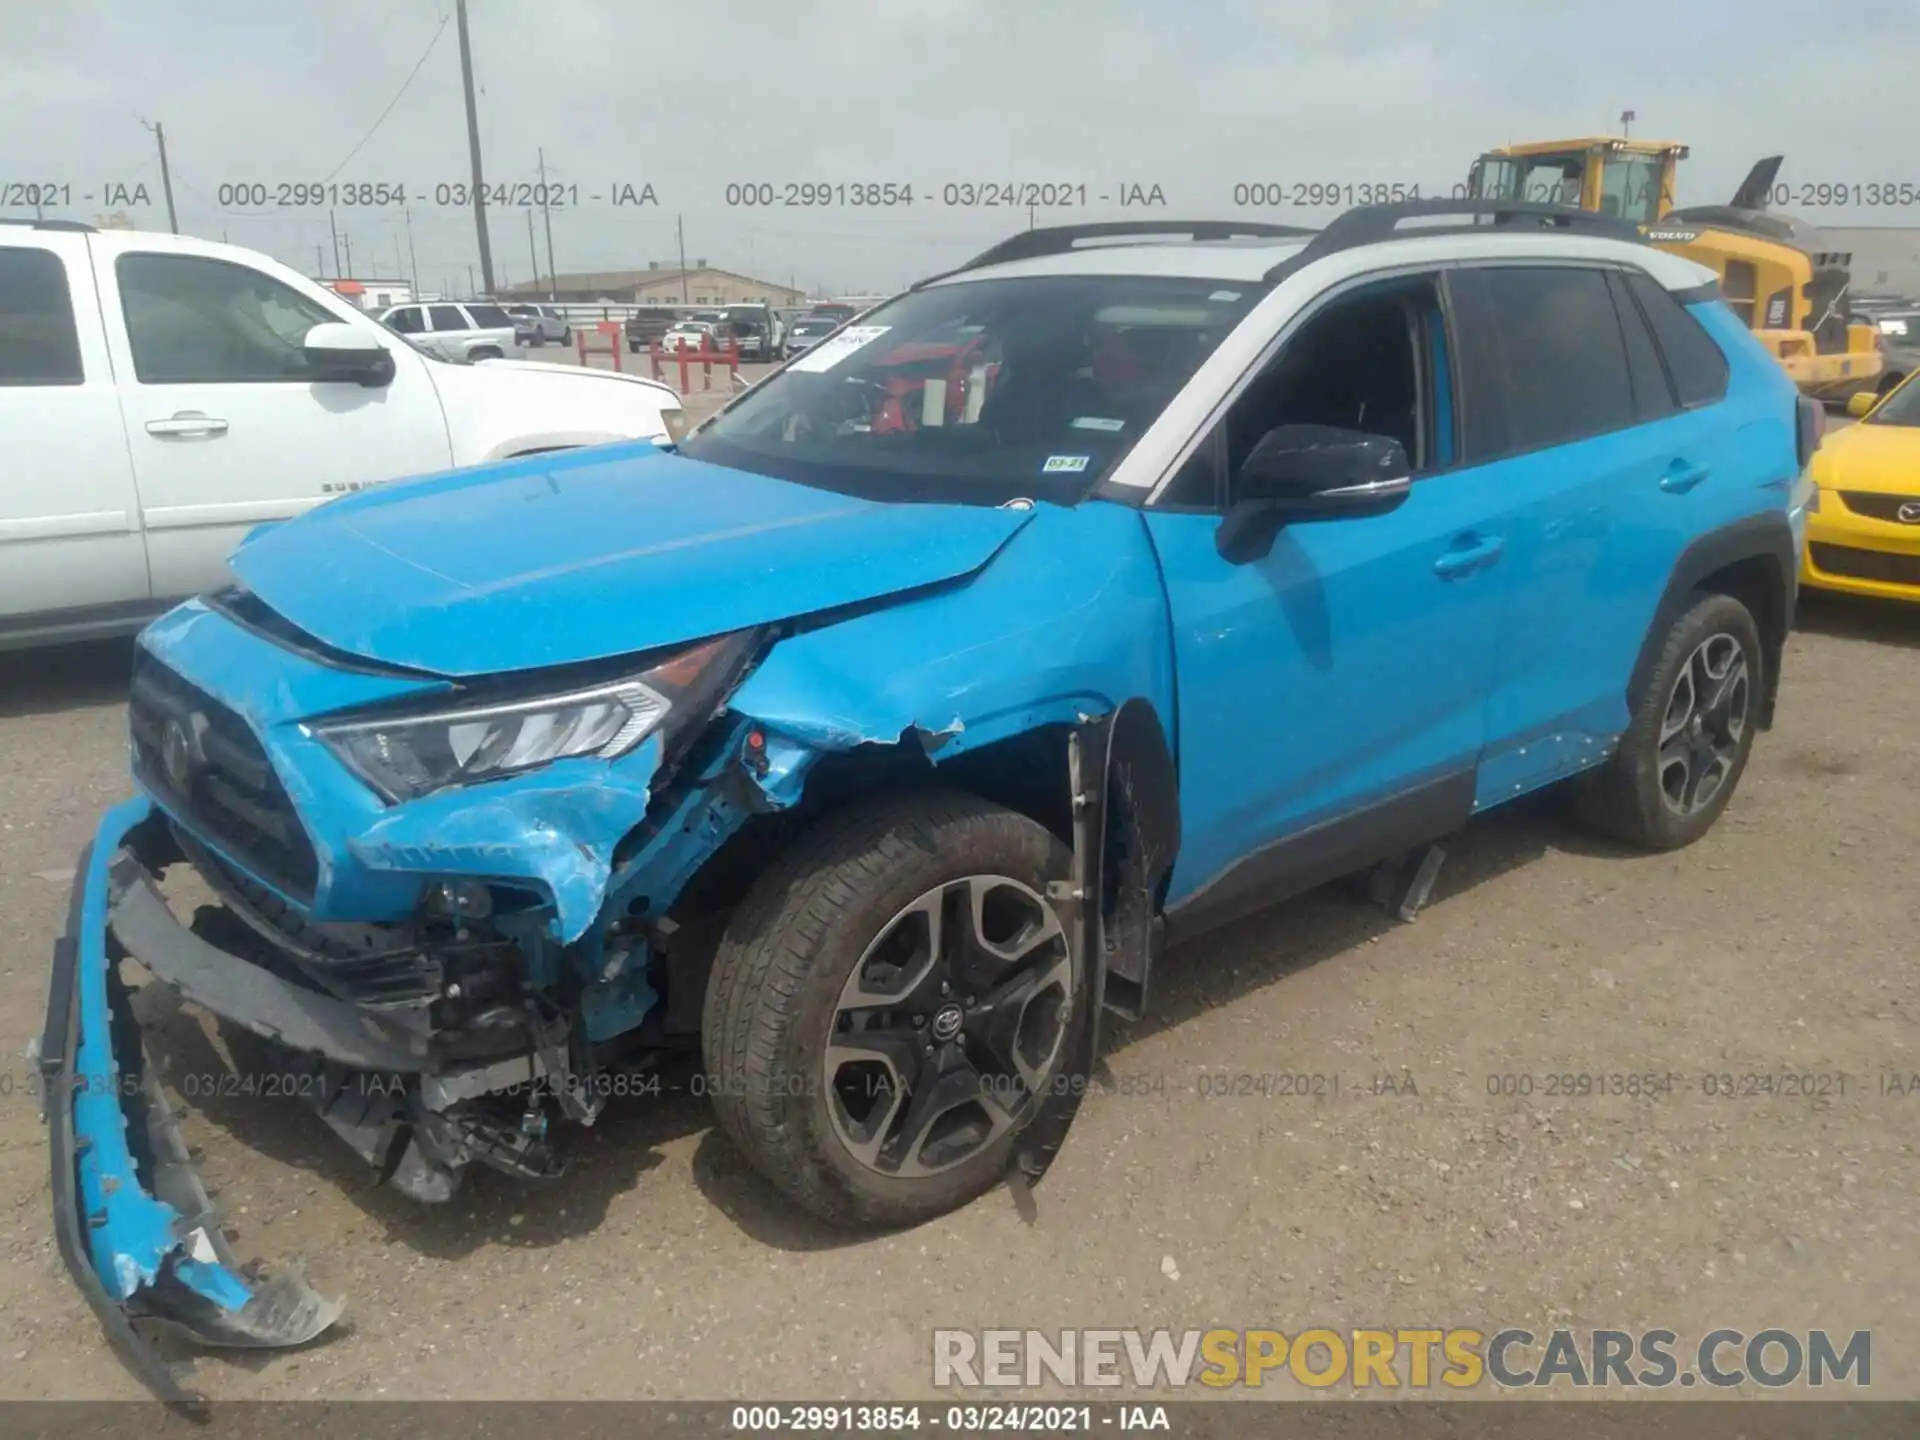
(586, 554)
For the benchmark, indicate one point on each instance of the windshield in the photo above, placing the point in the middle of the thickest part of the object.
(1901, 408)
(981, 391)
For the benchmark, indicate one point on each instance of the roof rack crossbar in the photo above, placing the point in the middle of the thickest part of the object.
(1372, 224)
(77, 225)
(1060, 239)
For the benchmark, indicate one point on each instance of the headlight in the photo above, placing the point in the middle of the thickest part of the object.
(406, 755)
(676, 422)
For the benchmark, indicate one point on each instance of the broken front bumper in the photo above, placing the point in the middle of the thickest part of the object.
(131, 1218)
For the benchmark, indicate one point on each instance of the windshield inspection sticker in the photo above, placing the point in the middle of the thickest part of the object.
(1064, 464)
(829, 353)
(1095, 422)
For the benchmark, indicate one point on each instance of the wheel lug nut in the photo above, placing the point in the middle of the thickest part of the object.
(919, 1022)
(945, 988)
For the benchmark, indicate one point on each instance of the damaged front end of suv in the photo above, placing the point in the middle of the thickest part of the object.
(472, 844)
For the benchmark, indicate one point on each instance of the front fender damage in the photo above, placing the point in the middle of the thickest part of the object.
(132, 1220)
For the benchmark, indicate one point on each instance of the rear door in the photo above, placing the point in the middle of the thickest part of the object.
(70, 548)
(227, 428)
(1570, 410)
(448, 331)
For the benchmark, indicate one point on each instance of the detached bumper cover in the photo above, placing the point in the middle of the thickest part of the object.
(132, 1221)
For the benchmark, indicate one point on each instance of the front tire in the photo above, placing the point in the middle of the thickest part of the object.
(1690, 736)
(894, 1004)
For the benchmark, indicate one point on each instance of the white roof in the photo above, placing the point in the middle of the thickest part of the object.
(1250, 260)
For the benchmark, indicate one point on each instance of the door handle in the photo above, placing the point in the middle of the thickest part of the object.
(187, 423)
(1682, 477)
(1470, 553)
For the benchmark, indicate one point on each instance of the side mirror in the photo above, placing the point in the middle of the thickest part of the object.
(1860, 404)
(1310, 472)
(347, 354)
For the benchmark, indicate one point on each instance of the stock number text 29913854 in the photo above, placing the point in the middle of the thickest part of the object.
(1306, 194)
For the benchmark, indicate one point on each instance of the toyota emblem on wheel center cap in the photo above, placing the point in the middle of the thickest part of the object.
(947, 1022)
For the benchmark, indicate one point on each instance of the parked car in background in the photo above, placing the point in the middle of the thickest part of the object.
(805, 332)
(646, 326)
(832, 310)
(161, 397)
(462, 331)
(545, 323)
(1864, 534)
(690, 335)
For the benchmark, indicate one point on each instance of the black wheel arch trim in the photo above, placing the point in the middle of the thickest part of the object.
(1767, 536)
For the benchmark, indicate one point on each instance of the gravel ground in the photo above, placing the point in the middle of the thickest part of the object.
(661, 1267)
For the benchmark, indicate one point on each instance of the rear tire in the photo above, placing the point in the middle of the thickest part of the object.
(868, 991)
(1690, 736)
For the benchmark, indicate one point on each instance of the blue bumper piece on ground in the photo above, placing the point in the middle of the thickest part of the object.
(132, 1221)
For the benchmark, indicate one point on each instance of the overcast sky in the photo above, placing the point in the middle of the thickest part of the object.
(1191, 95)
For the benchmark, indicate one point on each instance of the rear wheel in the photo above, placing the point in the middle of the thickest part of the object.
(1691, 732)
(484, 352)
(893, 1005)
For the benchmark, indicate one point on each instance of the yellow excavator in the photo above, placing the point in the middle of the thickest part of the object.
(1776, 273)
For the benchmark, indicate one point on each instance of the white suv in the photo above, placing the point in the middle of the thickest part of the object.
(160, 397)
(467, 331)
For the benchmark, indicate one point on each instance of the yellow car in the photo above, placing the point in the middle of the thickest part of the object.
(1863, 532)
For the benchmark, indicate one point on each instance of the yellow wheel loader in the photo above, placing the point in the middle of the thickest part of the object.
(1775, 271)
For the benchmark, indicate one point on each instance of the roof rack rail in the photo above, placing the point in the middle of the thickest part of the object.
(1372, 224)
(79, 225)
(1060, 239)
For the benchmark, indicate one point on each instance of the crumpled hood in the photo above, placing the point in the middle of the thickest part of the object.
(582, 555)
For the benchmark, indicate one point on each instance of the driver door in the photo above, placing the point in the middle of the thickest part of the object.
(226, 429)
(1331, 691)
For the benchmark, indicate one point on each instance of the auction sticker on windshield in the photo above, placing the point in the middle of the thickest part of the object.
(829, 353)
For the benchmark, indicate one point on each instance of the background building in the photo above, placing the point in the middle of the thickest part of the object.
(698, 284)
(1886, 258)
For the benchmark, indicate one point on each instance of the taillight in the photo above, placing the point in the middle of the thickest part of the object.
(1810, 427)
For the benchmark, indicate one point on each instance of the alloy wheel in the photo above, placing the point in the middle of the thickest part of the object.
(950, 1028)
(1704, 723)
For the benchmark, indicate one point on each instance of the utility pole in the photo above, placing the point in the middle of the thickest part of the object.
(533, 252)
(546, 214)
(681, 230)
(319, 261)
(166, 175)
(473, 147)
(413, 266)
(346, 240)
(335, 232)
(398, 264)
(470, 290)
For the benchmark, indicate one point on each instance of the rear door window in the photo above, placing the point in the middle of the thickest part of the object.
(1652, 392)
(490, 317)
(1557, 354)
(38, 342)
(446, 317)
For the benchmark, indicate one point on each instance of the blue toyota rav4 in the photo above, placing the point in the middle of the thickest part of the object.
(1120, 582)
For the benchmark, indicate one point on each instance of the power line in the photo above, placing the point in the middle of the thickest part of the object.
(404, 85)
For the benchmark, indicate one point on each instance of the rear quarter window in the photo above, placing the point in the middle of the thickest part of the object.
(1694, 361)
